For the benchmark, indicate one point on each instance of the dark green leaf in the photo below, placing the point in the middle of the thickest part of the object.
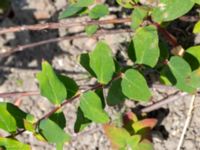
(85, 62)
(70, 85)
(115, 95)
(98, 11)
(192, 56)
(92, 108)
(100, 93)
(50, 85)
(81, 121)
(134, 86)
(4, 6)
(102, 63)
(59, 118)
(166, 76)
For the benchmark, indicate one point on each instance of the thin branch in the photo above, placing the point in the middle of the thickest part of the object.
(56, 25)
(187, 122)
(99, 33)
(19, 94)
(168, 36)
(159, 104)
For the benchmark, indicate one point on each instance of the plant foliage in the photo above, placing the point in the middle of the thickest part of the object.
(147, 51)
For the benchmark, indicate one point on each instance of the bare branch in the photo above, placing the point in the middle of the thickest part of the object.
(56, 25)
(157, 105)
(80, 36)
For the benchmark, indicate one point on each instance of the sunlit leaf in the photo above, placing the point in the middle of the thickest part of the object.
(11, 144)
(50, 85)
(168, 10)
(146, 52)
(102, 63)
(134, 86)
(92, 108)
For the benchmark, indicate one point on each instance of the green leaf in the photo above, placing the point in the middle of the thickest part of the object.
(183, 74)
(134, 86)
(195, 51)
(100, 93)
(70, 11)
(85, 62)
(92, 108)
(133, 141)
(102, 63)
(138, 14)
(168, 10)
(29, 126)
(120, 138)
(52, 132)
(166, 76)
(84, 3)
(192, 56)
(81, 121)
(59, 118)
(11, 144)
(11, 117)
(7, 121)
(70, 85)
(196, 1)
(126, 3)
(144, 145)
(117, 136)
(146, 52)
(4, 6)
(91, 29)
(50, 85)
(197, 27)
(98, 11)
(115, 95)
(29, 123)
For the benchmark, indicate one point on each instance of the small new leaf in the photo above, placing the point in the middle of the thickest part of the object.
(98, 11)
